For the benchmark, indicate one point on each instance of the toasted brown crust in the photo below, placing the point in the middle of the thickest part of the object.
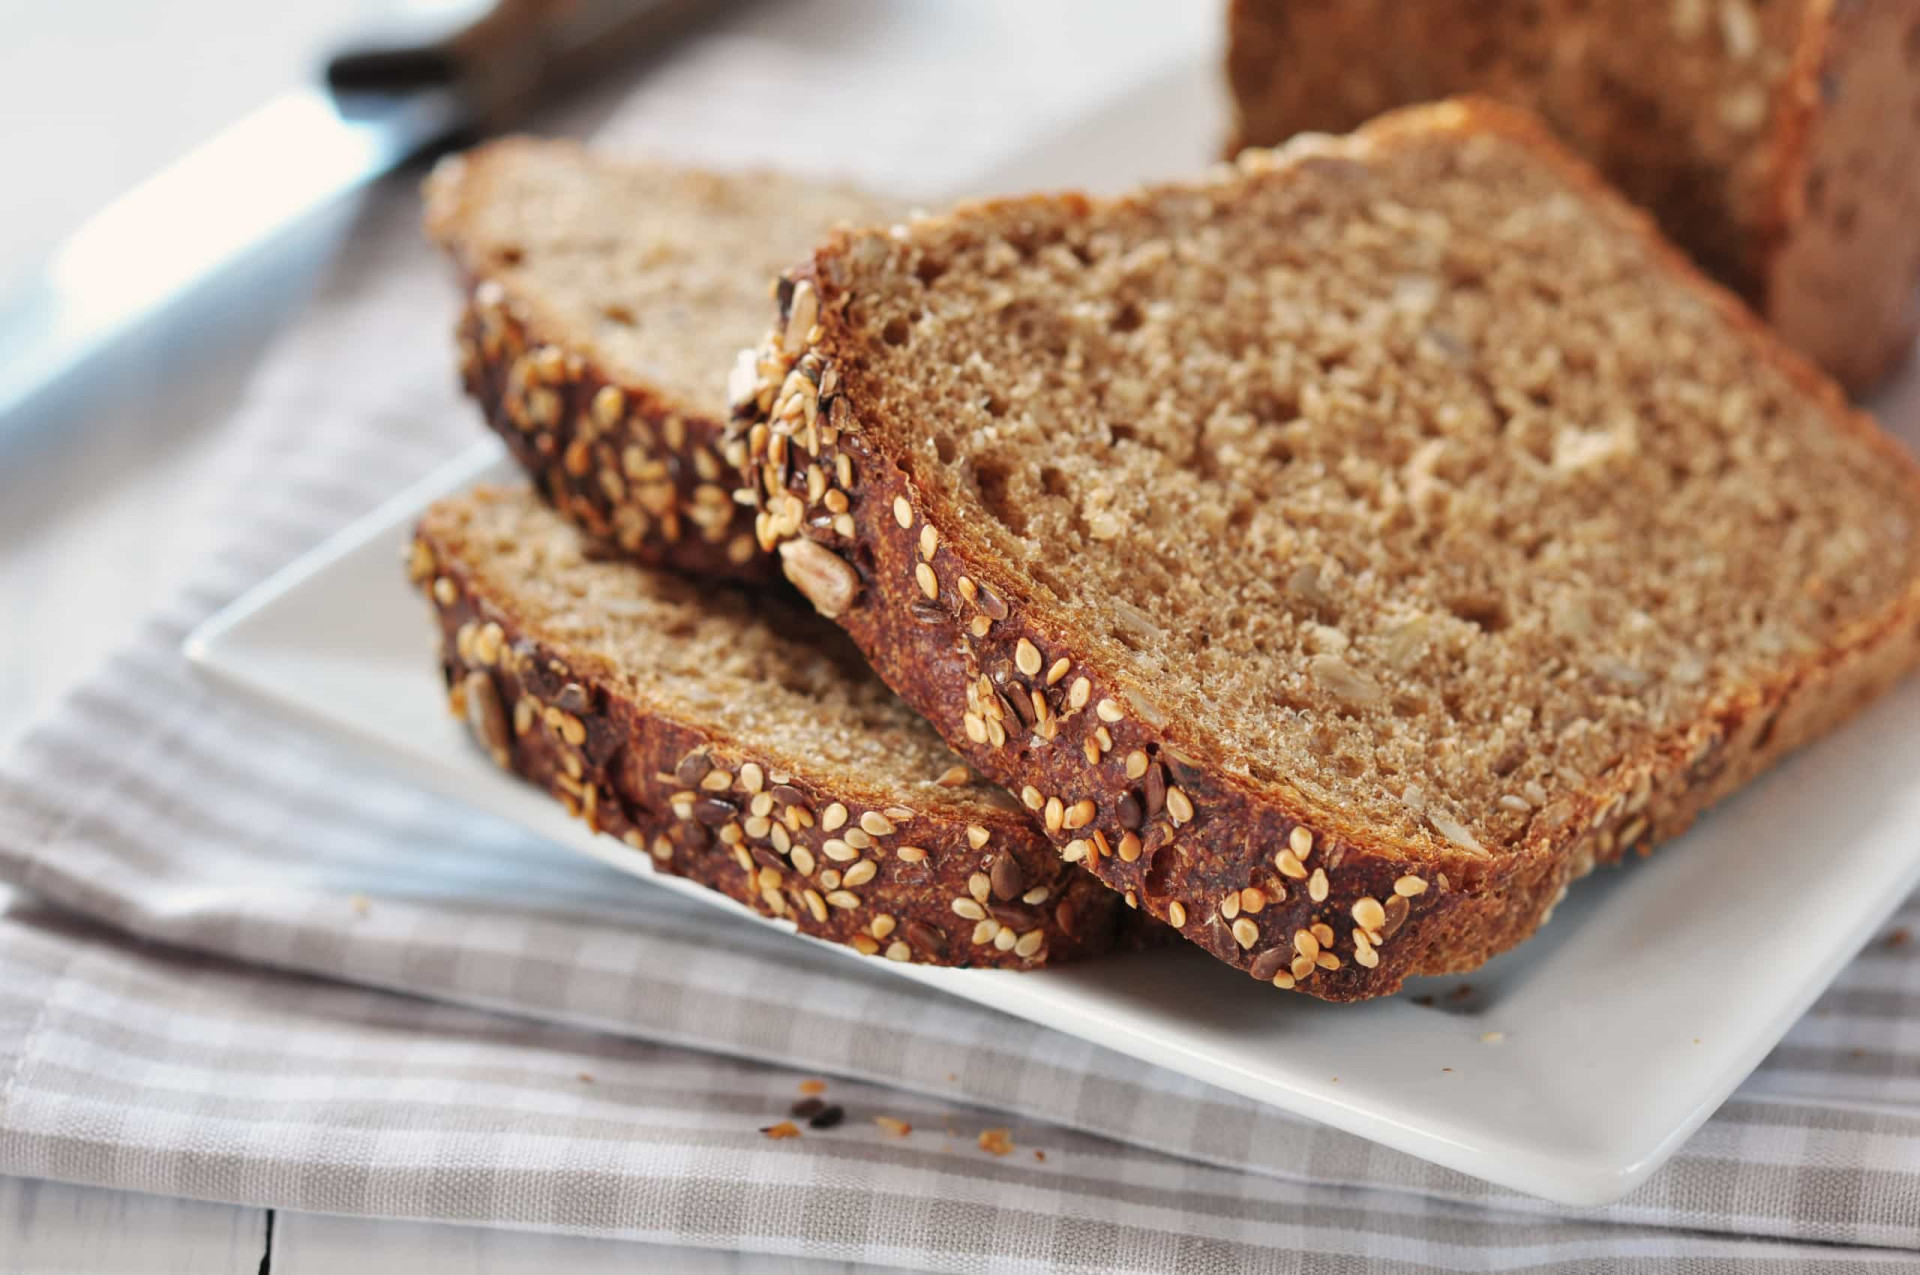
(649, 780)
(1316, 904)
(1860, 326)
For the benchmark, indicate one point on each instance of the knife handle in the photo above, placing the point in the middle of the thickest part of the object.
(500, 56)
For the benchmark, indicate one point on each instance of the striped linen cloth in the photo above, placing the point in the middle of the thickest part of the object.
(249, 968)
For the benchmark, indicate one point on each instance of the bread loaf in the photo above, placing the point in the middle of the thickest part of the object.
(1778, 143)
(1342, 553)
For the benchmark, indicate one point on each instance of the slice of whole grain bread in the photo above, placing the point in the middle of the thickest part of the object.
(1341, 553)
(605, 300)
(742, 743)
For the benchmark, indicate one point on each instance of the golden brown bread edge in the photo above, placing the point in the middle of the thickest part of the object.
(1860, 329)
(637, 470)
(1313, 903)
(937, 890)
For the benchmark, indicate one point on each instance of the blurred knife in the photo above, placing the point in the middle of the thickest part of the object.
(444, 69)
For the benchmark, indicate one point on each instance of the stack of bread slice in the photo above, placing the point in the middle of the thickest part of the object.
(1330, 557)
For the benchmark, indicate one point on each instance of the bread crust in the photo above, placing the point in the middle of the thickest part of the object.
(1308, 901)
(718, 811)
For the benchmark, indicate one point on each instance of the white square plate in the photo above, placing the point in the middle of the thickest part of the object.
(1574, 1068)
(1652, 993)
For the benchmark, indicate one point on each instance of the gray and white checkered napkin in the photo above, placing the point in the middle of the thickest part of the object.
(206, 1004)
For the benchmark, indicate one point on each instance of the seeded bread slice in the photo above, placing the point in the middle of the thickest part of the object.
(605, 300)
(1343, 552)
(740, 742)
(1777, 142)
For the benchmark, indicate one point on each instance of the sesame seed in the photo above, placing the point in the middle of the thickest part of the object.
(977, 836)
(929, 583)
(1327, 961)
(980, 886)
(833, 817)
(1055, 814)
(1230, 906)
(1031, 798)
(1283, 981)
(897, 812)
(815, 904)
(975, 727)
(1074, 851)
(844, 899)
(1177, 914)
(898, 951)
(445, 592)
(911, 854)
(858, 838)
(861, 943)
(1410, 886)
(1029, 945)
(1365, 956)
(1059, 670)
(876, 824)
(902, 512)
(969, 909)
(803, 860)
(1289, 865)
(1081, 813)
(929, 541)
(608, 405)
(1317, 886)
(1305, 944)
(1136, 764)
(752, 778)
(1005, 939)
(1300, 841)
(985, 931)
(1323, 932)
(1179, 808)
(1245, 932)
(1368, 913)
(829, 879)
(1026, 657)
(1035, 897)
(717, 780)
(955, 777)
(1108, 711)
(881, 925)
(1129, 847)
(1302, 968)
(1090, 749)
(1253, 900)
(979, 626)
(838, 850)
(860, 873)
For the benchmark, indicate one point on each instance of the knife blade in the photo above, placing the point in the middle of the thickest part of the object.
(384, 102)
